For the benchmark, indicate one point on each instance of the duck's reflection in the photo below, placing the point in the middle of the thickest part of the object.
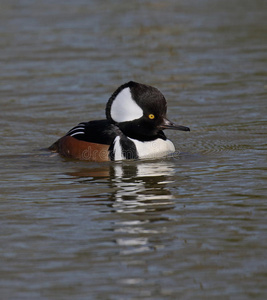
(136, 186)
(141, 198)
(141, 187)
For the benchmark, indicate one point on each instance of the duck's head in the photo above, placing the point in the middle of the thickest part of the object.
(139, 111)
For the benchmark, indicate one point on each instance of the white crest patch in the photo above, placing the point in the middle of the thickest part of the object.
(124, 108)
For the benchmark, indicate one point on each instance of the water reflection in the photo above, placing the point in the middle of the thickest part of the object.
(141, 187)
(136, 187)
(140, 198)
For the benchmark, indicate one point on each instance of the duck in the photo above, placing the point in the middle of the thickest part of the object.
(133, 128)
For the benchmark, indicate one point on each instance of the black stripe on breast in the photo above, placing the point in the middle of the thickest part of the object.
(129, 150)
(111, 151)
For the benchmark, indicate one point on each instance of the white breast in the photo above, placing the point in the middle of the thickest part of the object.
(117, 149)
(153, 149)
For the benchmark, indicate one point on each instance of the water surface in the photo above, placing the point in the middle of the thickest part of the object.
(192, 226)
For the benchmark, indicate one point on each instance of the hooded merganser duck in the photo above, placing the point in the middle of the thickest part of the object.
(135, 118)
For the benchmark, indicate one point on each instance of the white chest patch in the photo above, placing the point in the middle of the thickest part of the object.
(153, 149)
(124, 108)
(117, 149)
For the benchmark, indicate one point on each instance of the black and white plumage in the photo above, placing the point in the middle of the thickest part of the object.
(133, 128)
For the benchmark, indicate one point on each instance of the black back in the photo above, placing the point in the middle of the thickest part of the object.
(99, 131)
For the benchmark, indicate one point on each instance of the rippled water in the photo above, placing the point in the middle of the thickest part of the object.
(192, 226)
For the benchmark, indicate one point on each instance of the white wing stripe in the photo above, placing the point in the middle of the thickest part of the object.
(79, 132)
(75, 129)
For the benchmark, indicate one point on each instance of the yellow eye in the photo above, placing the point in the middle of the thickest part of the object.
(151, 116)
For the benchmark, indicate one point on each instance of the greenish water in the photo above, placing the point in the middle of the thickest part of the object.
(191, 226)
